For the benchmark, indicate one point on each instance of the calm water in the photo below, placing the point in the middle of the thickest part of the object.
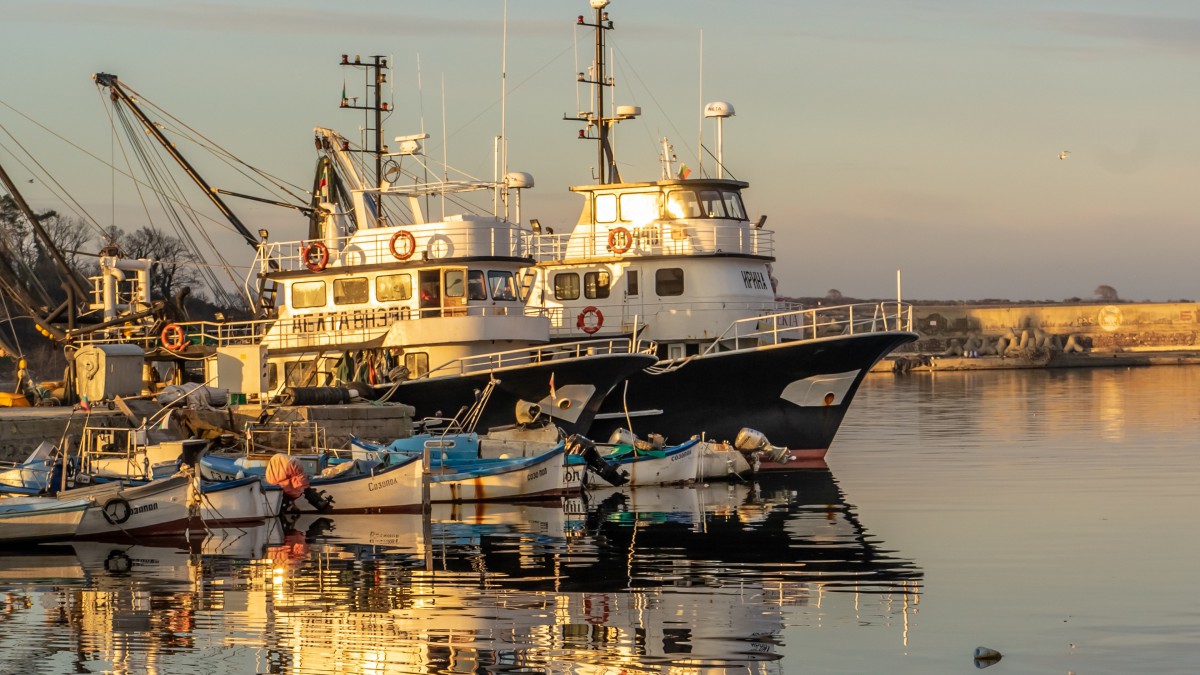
(1049, 515)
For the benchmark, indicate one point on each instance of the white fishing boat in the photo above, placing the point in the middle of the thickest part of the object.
(386, 300)
(159, 506)
(673, 465)
(29, 519)
(681, 262)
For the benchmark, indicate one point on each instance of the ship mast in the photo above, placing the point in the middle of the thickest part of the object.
(377, 70)
(599, 79)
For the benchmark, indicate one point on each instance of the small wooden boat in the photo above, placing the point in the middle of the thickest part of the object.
(29, 519)
(349, 487)
(672, 465)
(159, 506)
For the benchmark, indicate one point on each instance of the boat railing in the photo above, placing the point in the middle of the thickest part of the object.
(286, 437)
(662, 237)
(519, 357)
(116, 452)
(815, 323)
(473, 237)
(716, 313)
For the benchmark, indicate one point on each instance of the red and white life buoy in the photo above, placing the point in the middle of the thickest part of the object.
(315, 256)
(405, 250)
(582, 323)
(173, 338)
(619, 240)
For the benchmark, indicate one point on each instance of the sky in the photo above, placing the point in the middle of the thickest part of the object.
(877, 136)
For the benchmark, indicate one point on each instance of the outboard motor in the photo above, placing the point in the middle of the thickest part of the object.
(584, 447)
(749, 442)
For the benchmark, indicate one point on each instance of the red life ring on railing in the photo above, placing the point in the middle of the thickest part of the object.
(589, 328)
(173, 338)
(318, 263)
(410, 244)
(619, 240)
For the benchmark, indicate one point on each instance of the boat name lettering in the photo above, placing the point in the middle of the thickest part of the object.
(533, 475)
(152, 506)
(381, 484)
(360, 319)
(681, 455)
(754, 280)
(571, 476)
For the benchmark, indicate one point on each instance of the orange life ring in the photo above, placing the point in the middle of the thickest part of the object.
(409, 247)
(173, 338)
(583, 325)
(619, 240)
(322, 256)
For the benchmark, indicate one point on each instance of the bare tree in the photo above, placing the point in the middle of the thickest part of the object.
(1106, 293)
(833, 294)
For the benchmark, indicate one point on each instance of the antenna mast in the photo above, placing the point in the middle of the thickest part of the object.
(599, 79)
(377, 67)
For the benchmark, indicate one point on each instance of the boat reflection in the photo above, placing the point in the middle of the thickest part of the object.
(681, 580)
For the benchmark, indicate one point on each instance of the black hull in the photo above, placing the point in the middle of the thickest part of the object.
(719, 394)
(445, 396)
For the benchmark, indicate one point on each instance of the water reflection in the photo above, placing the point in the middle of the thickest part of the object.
(684, 580)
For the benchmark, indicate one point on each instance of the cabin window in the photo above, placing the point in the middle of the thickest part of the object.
(668, 281)
(683, 204)
(476, 288)
(392, 287)
(606, 208)
(566, 286)
(631, 282)
(712, 203)
(352, 291)
(503, 285)
(733, 206)
(308, 294)
(297, 373)
(417, 364)
(639, 208)
(454, 283)
(595, 284)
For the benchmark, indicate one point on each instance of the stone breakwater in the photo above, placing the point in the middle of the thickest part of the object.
(1050, 335)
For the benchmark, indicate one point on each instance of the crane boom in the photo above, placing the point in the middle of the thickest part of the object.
(118, 93)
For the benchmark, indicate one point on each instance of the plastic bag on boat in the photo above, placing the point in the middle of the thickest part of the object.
(287, 473)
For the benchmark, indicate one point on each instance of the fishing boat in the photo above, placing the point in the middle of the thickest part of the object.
(30, 519)
(161, 506)
(674, 465)
(388, 301)
(36, 475)
(680, 262)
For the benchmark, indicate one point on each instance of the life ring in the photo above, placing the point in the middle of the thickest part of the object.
(117, 510)
(619, 240)
(318, 263)
(589, 328)
(410, 244)
(173, 338)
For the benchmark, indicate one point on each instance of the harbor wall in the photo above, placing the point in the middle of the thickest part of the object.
(1108, 327)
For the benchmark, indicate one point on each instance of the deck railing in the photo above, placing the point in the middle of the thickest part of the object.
(668, 237)
(519, 357)
(815, 323)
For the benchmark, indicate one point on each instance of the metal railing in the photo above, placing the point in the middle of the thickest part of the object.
(660, 237)
(519, 357)
(815, 323)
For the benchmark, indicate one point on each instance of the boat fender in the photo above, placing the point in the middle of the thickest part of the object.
(315, 256)
(173, 337)
(581, 321)
(117, 510)
(619, 240)
(118, 563)
(405, 250)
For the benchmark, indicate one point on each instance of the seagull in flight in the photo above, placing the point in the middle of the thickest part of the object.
(1064, 154)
